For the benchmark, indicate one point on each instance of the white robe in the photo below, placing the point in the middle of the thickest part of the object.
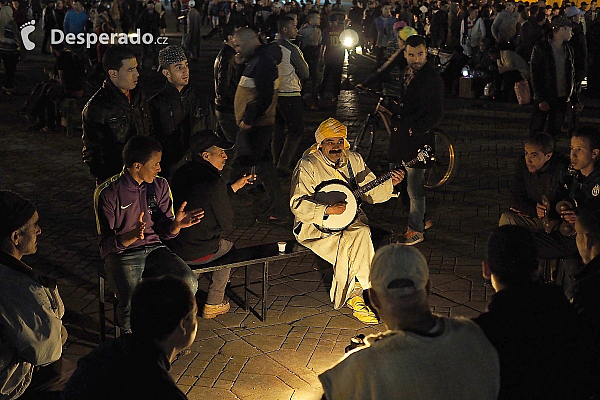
(349, 251)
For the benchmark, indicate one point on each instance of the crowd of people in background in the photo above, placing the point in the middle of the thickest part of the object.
(277, 61)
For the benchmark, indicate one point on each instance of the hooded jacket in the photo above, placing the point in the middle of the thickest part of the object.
(256, 94)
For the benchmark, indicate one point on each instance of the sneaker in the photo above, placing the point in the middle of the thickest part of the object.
(361, 311)
(428, 224)
(209, 311)
(413, 237)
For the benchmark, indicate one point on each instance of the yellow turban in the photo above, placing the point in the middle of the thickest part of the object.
(332, 128)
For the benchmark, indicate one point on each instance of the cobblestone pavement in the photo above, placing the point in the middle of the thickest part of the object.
(236, 356)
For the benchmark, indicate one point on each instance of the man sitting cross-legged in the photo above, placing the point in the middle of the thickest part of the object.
(349, 251)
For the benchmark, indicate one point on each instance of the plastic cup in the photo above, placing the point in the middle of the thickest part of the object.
(281, 246)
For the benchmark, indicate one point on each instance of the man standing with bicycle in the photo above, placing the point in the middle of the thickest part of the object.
(420, 108)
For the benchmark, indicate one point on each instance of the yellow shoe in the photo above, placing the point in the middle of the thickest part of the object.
(361, 311)
(209, 311)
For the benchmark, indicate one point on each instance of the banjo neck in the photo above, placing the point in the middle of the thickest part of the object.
(382, 179)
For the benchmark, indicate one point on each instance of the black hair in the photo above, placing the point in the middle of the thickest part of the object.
(415, 41)
(512, 254)
(544, 140)
(158, 305)
(227, 30)
(592, 134)
(114, 56)
(139, 149)
(284, 22)
(589, 219)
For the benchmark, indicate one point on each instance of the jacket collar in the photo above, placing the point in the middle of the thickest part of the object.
(118, 93)
(129, 182)
(172, 90)
(19, 266)
(200, 163)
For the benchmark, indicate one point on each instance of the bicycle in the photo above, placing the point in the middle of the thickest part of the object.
(444, 162)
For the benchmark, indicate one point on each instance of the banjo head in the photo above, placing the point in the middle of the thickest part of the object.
(336, 191)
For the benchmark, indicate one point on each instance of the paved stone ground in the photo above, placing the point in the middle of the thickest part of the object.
(235, 356)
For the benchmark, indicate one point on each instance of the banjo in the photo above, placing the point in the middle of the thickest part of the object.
(337, 191)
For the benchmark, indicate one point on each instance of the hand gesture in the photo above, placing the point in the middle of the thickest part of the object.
(243, 181)
(185, 219)
(397, 177)
(541, 210)
(137, 233)
(336, 209)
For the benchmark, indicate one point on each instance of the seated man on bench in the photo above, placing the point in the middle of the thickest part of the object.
(350, 251)
(200, 183)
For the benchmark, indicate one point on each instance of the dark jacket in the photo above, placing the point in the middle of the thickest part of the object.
(539, 342)
(543, 72)
(149, 23)
(584, 189)
(129, 367)
(420, 109)
(580, 53)
(439, 28)
(109, 120)
(530, 34)
(176, 115)
(227, 76)
(586, 300)
(528, 188)
(256, 96)
(201, 185)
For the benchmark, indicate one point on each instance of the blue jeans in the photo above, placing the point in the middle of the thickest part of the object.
(415, 177)
(127, 268)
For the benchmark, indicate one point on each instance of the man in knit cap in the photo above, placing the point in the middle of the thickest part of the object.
(349, 251)
(32, 333)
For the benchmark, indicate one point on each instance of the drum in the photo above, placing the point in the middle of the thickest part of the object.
(332, 192)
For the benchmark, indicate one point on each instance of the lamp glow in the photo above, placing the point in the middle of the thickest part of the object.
(349, 38)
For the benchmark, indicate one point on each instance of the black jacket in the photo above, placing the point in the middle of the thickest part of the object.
(176, 115)
(109, 120)
(584, 189)
(227, 76)
(129, 367)
(580, 53)
(543, 72)
(539, 341)
(201, 185)
(420, 109)
(527, 188)
(149, 23)
(530, 34)
(586, 300)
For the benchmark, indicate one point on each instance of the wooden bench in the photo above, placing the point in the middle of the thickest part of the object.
(260, 254)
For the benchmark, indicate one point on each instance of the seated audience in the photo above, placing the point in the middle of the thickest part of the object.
(134, 214)
(199, 182)
(536, 175)
(422, 355)
(136, 365)
(32, 333)
(533, 326)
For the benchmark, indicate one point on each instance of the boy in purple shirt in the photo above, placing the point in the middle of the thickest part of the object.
(134, 213)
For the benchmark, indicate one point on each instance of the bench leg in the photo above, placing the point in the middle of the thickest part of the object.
(265, 286)
(101, 309)
(246, 304)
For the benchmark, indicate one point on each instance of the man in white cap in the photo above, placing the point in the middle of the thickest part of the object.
(349, 251)
(422, 355)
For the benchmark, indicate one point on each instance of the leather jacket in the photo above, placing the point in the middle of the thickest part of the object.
(176, 115)
(109, 120)
(543, 72)
(227, 76)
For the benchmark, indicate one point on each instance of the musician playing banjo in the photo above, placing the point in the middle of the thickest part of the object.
(330, 164)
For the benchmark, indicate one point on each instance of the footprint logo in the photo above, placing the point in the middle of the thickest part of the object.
(26, 30)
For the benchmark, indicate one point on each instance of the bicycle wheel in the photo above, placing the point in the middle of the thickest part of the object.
(444, 166)
(363, 142)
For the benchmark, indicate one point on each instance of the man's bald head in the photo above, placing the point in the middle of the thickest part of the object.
(246, 41)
